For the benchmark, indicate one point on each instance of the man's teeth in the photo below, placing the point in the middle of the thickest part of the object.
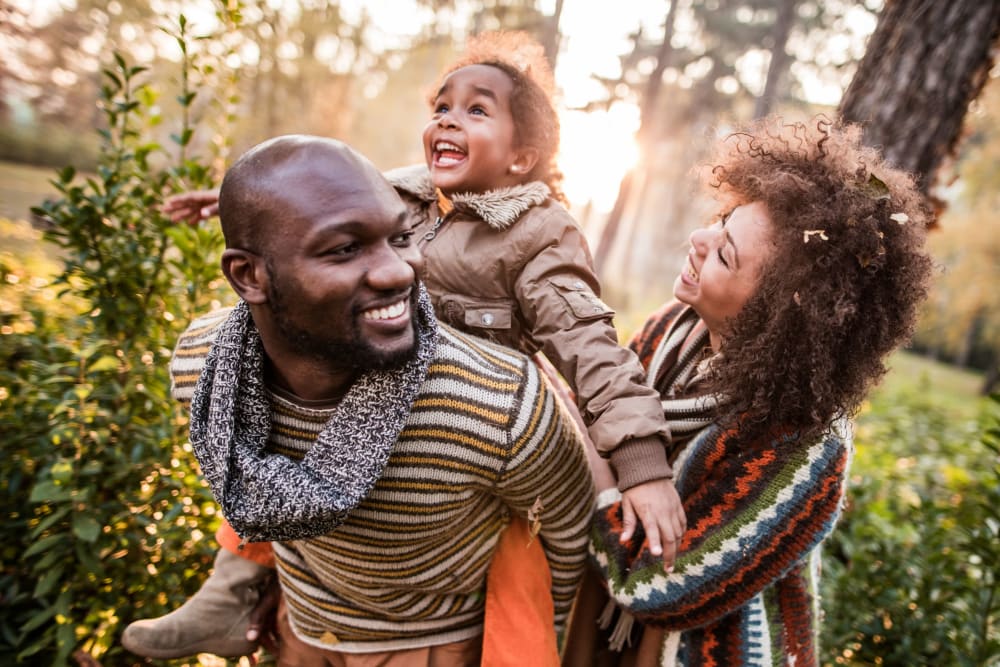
(387, 313)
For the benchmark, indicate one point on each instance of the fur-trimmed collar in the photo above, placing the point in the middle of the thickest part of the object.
(498, 208)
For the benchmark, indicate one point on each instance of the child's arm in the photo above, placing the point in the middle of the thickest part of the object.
(557, 292)
(192, 207)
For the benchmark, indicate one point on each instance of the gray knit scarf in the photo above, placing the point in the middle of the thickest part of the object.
(266, 496)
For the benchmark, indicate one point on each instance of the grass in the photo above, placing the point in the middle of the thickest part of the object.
(21, 187)
(954, 390)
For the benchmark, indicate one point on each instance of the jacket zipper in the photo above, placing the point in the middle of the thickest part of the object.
(434, 230)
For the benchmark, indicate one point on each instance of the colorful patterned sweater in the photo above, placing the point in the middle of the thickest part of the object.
(743, 590)
(485, 438)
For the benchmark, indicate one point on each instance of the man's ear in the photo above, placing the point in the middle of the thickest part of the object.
(525, 160)
(247, 273)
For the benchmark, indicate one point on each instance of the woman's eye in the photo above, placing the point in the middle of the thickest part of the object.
(722, 258)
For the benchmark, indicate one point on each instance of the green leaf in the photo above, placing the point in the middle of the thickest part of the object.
(86, 527)
(39, 619)
(48, 581)
(47, 491)
(50, 520)
(43, 544)
(105, 363)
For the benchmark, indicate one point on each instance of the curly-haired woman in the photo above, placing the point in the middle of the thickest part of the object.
(785, 311)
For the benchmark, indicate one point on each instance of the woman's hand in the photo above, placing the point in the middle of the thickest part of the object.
(657, 505)
(192, 207)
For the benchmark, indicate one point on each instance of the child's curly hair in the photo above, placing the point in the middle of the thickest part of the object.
(536, 123)
(843, 285)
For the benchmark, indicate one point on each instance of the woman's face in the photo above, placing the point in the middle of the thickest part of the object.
(724, 265)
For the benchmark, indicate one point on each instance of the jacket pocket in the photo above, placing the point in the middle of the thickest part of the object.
(581, 300)
(489, 318)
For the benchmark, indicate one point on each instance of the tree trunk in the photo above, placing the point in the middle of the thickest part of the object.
(780, 60)
(646, 133)
(925, 63)
(551, 43)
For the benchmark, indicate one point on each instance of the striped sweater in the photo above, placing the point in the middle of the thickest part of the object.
(485, 438)
(744, 589)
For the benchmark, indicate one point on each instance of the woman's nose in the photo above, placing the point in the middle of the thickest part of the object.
(700, 239)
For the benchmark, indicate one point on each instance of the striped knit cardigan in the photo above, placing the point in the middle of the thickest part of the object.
(485, 438)
(743, 590)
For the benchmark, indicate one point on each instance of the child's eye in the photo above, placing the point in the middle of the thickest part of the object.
(477, 111)
(441, 108)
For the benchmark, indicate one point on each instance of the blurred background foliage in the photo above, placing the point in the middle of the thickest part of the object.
(107, 107)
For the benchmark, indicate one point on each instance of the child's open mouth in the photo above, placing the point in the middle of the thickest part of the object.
(447, 154)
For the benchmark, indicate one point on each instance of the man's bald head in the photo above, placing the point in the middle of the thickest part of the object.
(254, 197)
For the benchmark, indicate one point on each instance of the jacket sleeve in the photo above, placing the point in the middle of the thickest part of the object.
(547, 480)
(558, 295)
(752, 517)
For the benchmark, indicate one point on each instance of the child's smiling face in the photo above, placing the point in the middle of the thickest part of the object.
(470, 142)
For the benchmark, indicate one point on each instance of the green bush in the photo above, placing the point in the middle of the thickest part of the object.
(911, 571)
(106, 519)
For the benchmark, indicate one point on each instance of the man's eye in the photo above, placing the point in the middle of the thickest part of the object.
(344, 250)
(402, 240)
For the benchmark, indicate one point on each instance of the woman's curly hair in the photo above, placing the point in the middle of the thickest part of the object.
(843, 285)
(536, 123)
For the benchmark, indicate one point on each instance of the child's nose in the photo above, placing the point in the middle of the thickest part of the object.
(446, 120)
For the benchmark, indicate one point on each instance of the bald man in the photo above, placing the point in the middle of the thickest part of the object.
(382, 452)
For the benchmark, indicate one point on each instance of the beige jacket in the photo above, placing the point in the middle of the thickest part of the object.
(511, 265)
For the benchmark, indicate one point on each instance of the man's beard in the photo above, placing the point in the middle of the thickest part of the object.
(354, 353)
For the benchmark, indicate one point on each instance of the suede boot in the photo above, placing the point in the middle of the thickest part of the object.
(214, 620)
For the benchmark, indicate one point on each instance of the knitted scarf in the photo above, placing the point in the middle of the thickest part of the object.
(677, 370)
(269, 497)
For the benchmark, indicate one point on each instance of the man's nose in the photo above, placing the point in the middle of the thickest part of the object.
(394, 268)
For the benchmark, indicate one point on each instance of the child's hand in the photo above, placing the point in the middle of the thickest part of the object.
(658, 506)
(192, 207)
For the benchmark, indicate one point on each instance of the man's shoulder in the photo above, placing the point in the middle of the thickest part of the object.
(477, 368)
(482, 356)
(192, 349)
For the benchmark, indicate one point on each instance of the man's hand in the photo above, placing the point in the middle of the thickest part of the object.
(192, 207)
(658, 506)
(263, 619)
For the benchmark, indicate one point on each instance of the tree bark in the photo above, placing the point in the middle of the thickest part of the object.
(551, 43)
(780, 61)
(925, 63)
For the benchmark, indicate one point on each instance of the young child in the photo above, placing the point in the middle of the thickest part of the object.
(505, 260)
